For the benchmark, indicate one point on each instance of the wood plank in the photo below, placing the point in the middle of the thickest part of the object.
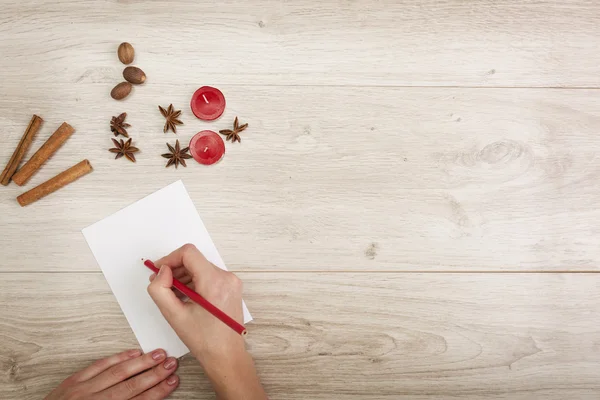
(327, 178)
(339, 335)
(409, 43)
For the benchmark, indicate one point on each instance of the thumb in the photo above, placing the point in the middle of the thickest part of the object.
(162, 294)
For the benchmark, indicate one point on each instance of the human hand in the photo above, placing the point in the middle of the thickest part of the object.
(220, 350)
(123, 376)
(208, 338)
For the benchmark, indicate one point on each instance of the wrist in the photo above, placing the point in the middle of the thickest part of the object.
(222, 357)
(233, 375)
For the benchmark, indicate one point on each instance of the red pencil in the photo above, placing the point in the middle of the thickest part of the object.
(207, 305)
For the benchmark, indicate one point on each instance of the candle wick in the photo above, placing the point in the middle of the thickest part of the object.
(206, 148)
(204, 97)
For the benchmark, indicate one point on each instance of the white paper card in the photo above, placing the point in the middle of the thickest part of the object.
(149, 229)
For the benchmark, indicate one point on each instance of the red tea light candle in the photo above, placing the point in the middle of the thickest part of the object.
(207, 147)
(208, 103)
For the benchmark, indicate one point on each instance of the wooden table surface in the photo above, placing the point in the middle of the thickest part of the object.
(414, 209)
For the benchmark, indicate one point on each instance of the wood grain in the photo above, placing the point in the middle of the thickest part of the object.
(381, 336)
(384, 138)
(326, 178)
(336, 42)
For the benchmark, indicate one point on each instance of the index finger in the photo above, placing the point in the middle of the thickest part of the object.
(190, 258)
(102, 365)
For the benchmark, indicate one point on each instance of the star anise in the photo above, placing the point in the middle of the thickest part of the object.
(118, 125)
(177, 155)
(234, 134)
(124, 149)
(172, 117)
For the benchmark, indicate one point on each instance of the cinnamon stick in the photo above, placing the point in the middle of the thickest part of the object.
(26, 139)
(52, 185)
(39, 158)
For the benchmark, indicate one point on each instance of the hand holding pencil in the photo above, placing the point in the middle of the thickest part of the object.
(201, 301)
(196, 327)
(219, 348)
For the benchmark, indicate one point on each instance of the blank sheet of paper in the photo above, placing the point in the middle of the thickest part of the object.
(149, 229)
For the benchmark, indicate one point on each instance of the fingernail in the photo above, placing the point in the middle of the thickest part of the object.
(172, 380)
(158, 355)
(170, 363)
(134, 353)
(152, 277)
(160, 271)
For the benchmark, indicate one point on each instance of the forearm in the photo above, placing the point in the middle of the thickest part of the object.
(235, 378)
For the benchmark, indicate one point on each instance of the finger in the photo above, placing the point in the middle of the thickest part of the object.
(182, 296)
(191, 258)
(160, 391)
(142, 382)
(102, 365)
(179, 272)
(188, 283)
(125, 370)
(160, 291)
(185, 279)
